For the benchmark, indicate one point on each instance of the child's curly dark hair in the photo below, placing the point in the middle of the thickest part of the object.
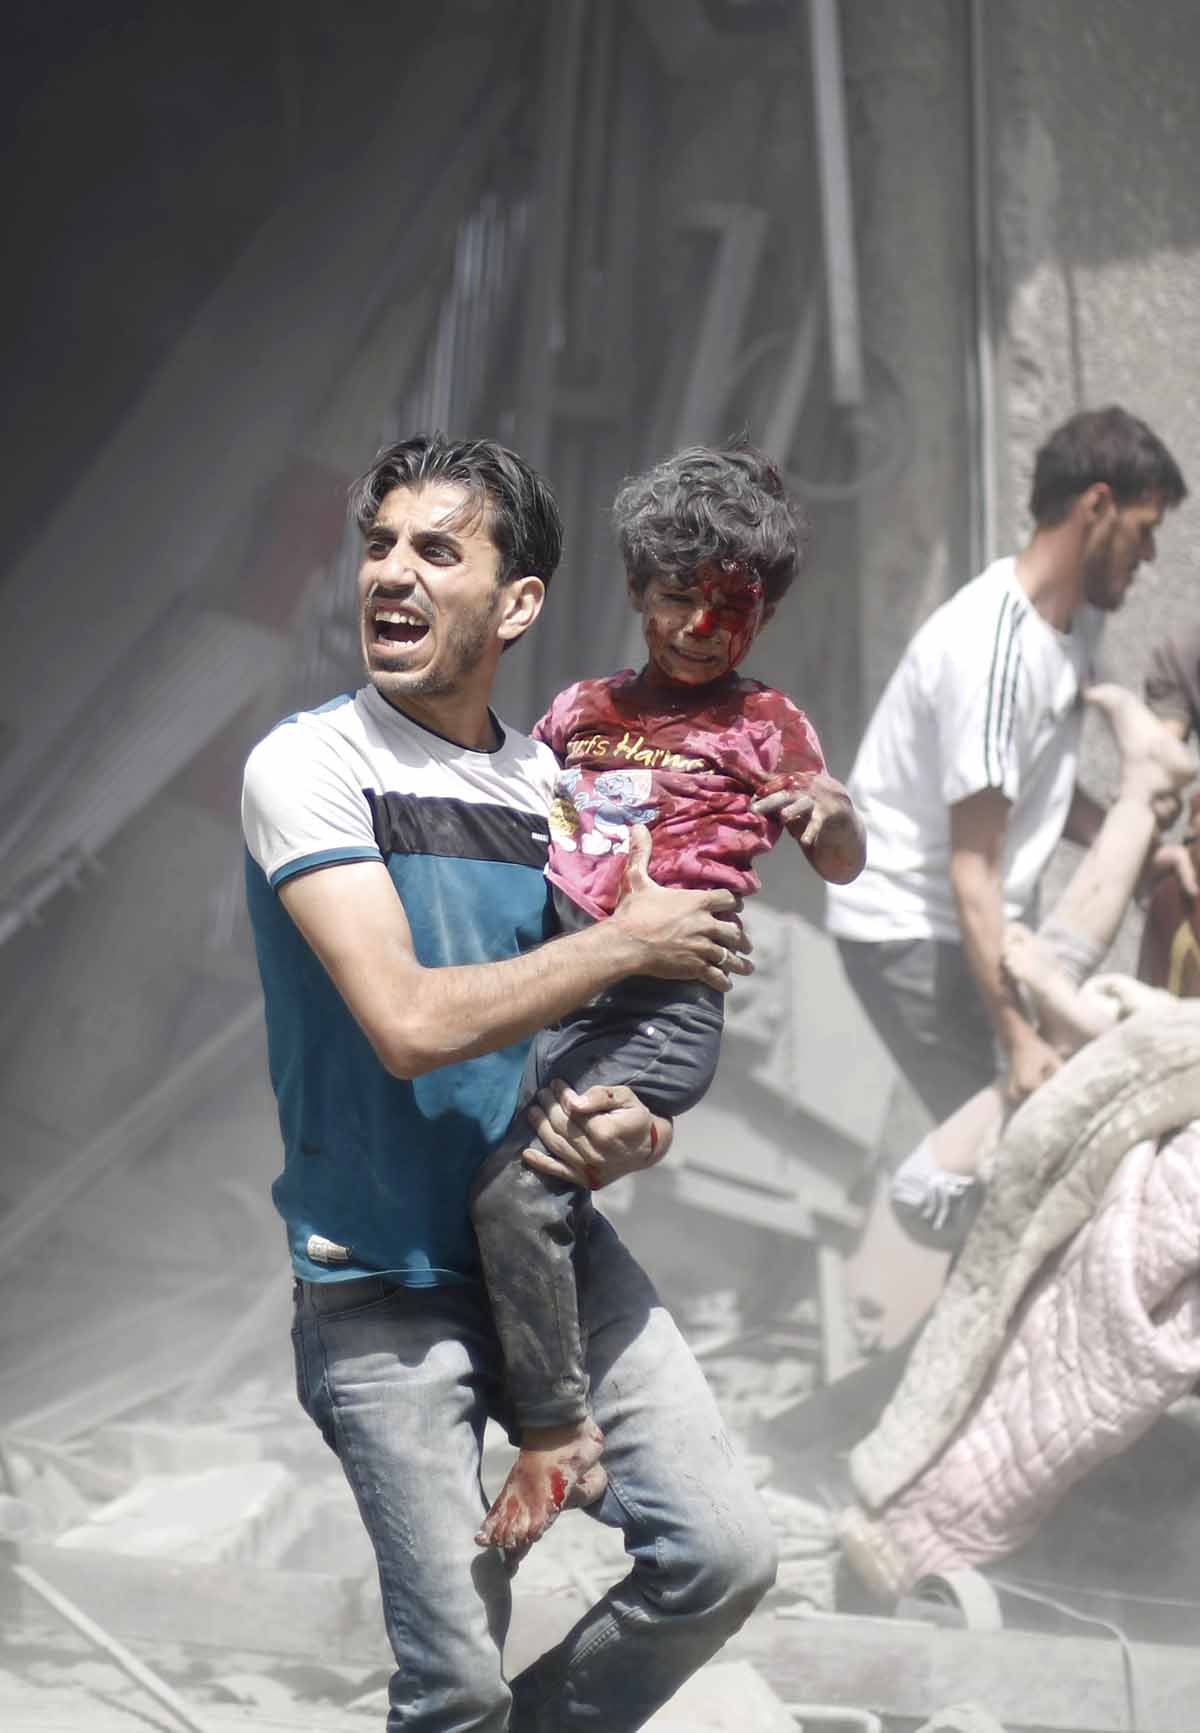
(706, 505)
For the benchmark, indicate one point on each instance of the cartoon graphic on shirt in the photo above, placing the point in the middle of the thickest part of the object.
(565, 823)
(616, 801)
(616, 804)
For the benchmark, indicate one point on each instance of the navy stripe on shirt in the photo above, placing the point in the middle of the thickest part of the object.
(457, 829)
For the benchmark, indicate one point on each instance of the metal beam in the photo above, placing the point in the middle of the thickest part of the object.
(837, 206)
(545, 319)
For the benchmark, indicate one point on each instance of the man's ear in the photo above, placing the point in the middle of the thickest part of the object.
(768, 613)
(1097, 500)
(520, 605)
(637, 596)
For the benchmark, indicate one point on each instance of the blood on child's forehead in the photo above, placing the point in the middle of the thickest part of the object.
(729, 583)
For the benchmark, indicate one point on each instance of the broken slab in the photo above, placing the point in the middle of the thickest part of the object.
(250, 1610)
(249, 1513)
(906, 1669)
(141, 1447)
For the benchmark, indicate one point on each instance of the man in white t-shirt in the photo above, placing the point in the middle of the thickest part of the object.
(965, 778)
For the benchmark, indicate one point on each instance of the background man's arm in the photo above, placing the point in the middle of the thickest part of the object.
(1084, 818)
(418, 1019)
(977, 831)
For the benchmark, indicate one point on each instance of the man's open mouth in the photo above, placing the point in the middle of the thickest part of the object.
(400, 626)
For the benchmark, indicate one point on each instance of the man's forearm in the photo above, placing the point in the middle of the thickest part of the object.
(462, 1011)
(418, 1018)
(1084, 818)
(978, 826)
(980, 899)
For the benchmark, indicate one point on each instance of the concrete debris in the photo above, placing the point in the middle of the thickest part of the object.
(808, 1551)
(220, 1515)
(146, 1513)
(52, 1497)
(138, 1447)
(100, 1676)
(725, 1697)
(253, 1690)
(962, 1718)
(806, 1582)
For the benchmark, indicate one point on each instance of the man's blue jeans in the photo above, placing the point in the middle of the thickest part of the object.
(400, 1383)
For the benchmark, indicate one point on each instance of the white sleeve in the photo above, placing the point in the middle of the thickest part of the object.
(302, 807)
(978, 699)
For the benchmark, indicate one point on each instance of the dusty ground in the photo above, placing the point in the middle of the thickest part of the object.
(51, 1677)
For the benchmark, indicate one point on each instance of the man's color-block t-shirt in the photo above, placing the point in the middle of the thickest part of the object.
(377, 1170)
(687, 765)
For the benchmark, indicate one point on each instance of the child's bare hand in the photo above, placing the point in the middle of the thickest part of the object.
(792, 798)
(819, 813)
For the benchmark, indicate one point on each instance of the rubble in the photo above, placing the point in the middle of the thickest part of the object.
(184, 1504)
(139, 1520)
(246, 1513)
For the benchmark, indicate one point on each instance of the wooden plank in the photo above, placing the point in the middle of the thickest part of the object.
(242, 1610)
(163, 1694)
(1028, 1680)
(839, 1351)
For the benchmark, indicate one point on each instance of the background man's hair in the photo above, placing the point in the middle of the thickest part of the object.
(1108, 445)
(705, 504)
(519, 511)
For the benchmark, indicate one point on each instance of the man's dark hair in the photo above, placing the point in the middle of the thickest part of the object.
(704, 505)
(1108, 445)
(519, 510)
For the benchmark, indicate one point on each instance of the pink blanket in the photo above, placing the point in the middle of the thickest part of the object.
(1105, 1338)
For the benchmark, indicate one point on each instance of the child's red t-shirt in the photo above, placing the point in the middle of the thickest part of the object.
(686, 766)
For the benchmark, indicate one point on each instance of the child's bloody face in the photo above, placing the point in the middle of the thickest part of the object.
(699, 625)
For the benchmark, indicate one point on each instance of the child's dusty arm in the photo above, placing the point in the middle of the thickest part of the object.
(820, 814)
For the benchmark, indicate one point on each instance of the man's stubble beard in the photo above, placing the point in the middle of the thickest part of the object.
(1100, 580)
(464, 650)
